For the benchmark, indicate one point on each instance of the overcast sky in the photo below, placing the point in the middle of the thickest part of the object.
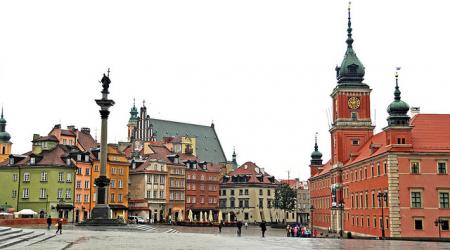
(261, 70)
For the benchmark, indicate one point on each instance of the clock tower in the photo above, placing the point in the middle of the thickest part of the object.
(352, 125)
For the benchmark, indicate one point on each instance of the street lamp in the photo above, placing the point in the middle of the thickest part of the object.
(46, 204)
(312, 219)
(438, 222)
(382, 197)
(341, 205)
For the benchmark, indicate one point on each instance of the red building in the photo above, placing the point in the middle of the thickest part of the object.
(394, 183)
(202, 189)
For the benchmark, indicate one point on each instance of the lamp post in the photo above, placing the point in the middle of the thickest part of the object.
(311, 209)
(382, 197)
(46, 204)
(438, 222)
(341, 205)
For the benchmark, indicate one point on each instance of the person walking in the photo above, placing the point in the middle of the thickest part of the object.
(263, 227)
(246, 225)
(220, 226)
(49, 222)
(59, 226)
(239, 227)
(296, 231)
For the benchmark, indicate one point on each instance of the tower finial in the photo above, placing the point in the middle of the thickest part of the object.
(397, 89)
(316, 147)
(134, 102)
(143, 103)
(349, 29)
(2, 110)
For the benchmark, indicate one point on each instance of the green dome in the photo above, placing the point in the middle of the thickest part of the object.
(4, 136)
(316, 155)
(398, 107)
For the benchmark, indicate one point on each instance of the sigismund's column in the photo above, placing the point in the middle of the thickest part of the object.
(101, 209)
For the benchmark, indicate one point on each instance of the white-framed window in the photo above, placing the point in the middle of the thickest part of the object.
(119, 197)
(444, 199)
(120, 183)
(113, 197)
(78, 157)
(86, 185)
(78, 198)
(32, 161)
(14, 194)
(25, 193)
(78, 185)
(69, 177)
(86, 158)
(202, 199)
(418, 223)
(188, 199)
(43, 193)
(162, 180)
(15, 177)
(87, 172)
(161, 194)
(44, 176)
(60, 177)
(26, 176)
(415, 167)
(442, 167)
(113, 183)
(86, 198)
(68, 193)
(60, 193)
(416, 199)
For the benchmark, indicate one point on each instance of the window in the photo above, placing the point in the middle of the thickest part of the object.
(162, 180)
(15, 177)
(368, 221)
(367, 200)
(60, 193)
(378, 169)
(68, 193)
(355, 142)
(241, 191)
(78, 198)
(444, 225)
(416, 199)
(113, 183)
(415, 167)
(232, 192)
(232, 203)
(442, 168)
(44, 176)
(354, 115)
(113, 197)
(69, 177)
(86, 185)
(86, 158)
(26, 193)
(161, 194)
(260, 192)
(60, 177)
(78, 157)
(373, 199)
(268, 192)
(88, 171)
(86, 198)
(261, 202)
(78, 185)
(120, 183)
(443, 200)
(372, 171)
(385, 167)
(43, 193)
(202, 199)
(78, 171)
(119, 197)
(14, 194)
(96, 168)
(418, 224)
(374, 222)
(26, 177)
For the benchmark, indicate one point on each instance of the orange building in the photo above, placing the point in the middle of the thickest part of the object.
(391, 184)
(117, 170)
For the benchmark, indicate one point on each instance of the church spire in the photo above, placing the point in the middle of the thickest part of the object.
(351, 71)
(316, 155)
(234, 160)
(4, 136)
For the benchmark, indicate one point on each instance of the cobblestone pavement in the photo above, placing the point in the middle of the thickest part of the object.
(208, 238)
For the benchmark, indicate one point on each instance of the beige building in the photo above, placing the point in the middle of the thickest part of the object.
(248, 194)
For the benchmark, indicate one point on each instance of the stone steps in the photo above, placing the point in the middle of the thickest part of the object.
(24, 240)
(12, 233)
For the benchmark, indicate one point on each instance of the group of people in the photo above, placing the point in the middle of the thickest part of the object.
(58, 225)
(296, 231)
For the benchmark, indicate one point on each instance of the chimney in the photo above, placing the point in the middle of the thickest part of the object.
(57, 126)
(36, 136)
(415, 111)
(86, 130)
(71, 127)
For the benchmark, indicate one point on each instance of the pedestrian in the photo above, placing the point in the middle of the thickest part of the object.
(60, 221)
(49, 222)
(246, 225)
(263, 227)
(220, 226)
(288, 230)
(239, 227)
(295, 231)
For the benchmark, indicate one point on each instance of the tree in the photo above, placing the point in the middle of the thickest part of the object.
(285, 197)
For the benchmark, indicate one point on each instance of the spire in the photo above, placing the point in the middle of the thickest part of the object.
(4, 136)
(398, 109)
(349, 29)
(133, 113)
(234, 161)
(316, 155)
(351, 71)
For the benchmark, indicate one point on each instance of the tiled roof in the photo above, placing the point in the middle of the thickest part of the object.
(46, 138)
(208, 144)
(86, 140)
(251, 170)
(325, 169)
(52, 157)
(67, 132)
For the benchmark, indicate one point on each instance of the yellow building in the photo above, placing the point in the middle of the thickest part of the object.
(117, 168)
(5, 144)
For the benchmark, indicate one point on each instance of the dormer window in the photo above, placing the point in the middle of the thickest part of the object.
(79, 157)
(194, 165)
(68, 161)
(176, 160)
(32, 160)
(11, 161)
(86, 158)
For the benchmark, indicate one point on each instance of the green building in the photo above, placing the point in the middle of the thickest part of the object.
(42, 180)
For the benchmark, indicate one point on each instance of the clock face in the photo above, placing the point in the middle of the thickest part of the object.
(354, 102)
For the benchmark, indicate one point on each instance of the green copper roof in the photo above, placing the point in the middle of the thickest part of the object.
(398, 109)
(208, 144)
(351, 70)
(4, 136)
(133, 113)
(316, 155)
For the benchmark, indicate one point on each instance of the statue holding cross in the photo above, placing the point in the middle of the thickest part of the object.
(105, 81)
